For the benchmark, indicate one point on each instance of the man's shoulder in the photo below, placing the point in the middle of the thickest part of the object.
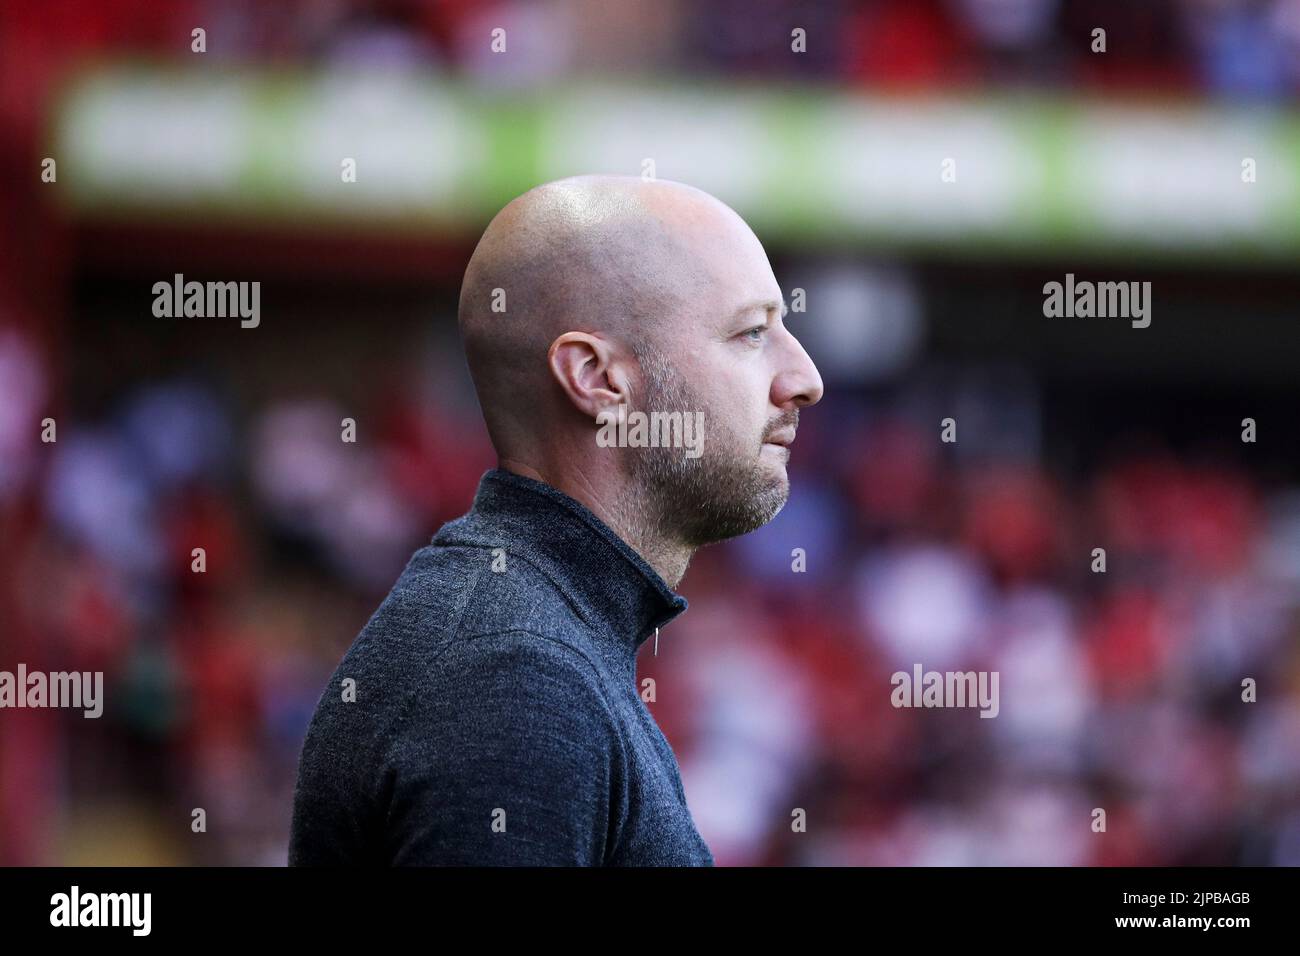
(468, 689)
(516, 667)
(461, 589)
(456, 603)
(416, 680)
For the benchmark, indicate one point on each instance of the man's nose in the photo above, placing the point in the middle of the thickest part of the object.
(799, 381)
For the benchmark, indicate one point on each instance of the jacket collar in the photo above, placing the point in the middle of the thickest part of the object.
(613, 588)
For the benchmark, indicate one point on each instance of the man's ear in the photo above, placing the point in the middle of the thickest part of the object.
(589, 372)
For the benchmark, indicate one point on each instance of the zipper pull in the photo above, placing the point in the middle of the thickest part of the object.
(656, 642)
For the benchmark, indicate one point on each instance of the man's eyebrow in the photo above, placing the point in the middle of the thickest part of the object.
(765, 305)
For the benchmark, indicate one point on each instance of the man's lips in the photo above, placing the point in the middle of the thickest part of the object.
(784, 439)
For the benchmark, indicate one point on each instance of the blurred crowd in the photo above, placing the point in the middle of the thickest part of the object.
(1120, 689)
(1239, 48)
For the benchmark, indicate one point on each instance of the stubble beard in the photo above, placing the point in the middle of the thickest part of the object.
(725, 492)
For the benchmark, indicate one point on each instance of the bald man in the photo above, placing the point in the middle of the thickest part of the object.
(627, 343)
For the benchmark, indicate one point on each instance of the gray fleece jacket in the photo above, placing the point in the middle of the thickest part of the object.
(488, 712)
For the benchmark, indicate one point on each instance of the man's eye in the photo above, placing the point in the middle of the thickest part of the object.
(757, 332)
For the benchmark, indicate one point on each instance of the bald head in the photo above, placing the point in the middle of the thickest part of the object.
(616, 256)
(599, 298)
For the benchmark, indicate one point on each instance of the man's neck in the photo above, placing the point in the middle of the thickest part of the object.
(619, 508)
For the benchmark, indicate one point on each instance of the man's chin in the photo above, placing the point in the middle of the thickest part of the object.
(780, 477)
(780, 497)
(765, 505)
(727, 503)
(768, 502)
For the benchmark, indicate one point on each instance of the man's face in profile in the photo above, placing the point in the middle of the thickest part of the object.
(731, 359)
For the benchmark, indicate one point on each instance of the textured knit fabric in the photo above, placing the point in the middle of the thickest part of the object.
(496, 718)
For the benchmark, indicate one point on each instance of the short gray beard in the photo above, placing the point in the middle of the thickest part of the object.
(696, 501)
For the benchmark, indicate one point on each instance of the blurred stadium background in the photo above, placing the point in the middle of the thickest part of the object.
(924, 300)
